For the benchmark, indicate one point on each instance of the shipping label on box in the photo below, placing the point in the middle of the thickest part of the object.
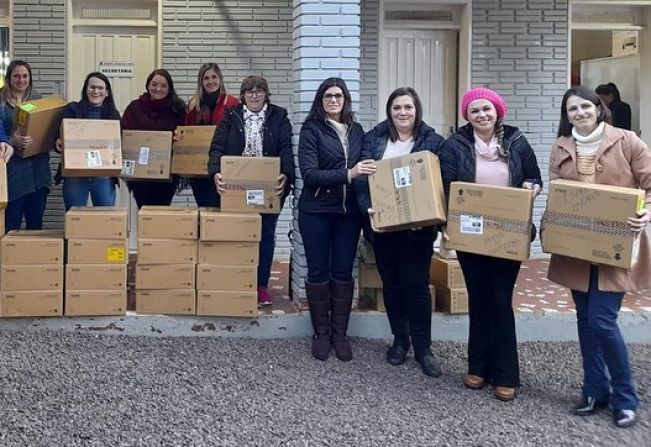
(452, 301)
(490, 220)
(227, 277)
(146, 154)
(369, 277)
(39, 119)
(217, 226)
(166, 302)
(227, 304)
(92, 148)
(165, 276)
(32, 247)
(95, 302)
(229, 253)
(97, 251)
(250, 184)
(32, 303)
(588, 221)
(4, 191)
(446, 272)
(101, 222)
(96, 277)
(166, 251)
(31, 277)
(168, 222)
(407, 192)
(190, 153)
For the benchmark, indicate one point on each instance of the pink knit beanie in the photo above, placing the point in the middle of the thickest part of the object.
(483, 93)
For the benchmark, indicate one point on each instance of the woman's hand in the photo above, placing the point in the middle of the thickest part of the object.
(639, 223)
(535, 187)
(444, 234)
(20, 141)
(6, 151)
(364, 167)
(371, 213)
(280, 187)
(221, 189)
(58, 145)
(175, 135)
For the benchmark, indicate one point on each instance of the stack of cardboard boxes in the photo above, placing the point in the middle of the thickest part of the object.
(96, 270)
(228, 261)
(32, 274)
(449, 285)
(167, 257)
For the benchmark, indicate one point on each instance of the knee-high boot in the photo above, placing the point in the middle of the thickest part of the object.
(318, 299)
(342, 300)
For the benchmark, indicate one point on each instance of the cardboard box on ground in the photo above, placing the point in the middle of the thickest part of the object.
(190, 151)
(588, 221)
(87, 222)
(168, 222)
(250, 184)
(92, 148)
(146, 155)
(39, 120)
(166, 302)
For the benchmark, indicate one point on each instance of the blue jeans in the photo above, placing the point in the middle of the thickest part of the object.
(204, 191)
(77, 189)
(330, 242)
(266, 248)
(31, 207)
(602, 346)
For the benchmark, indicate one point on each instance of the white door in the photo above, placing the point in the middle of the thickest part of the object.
(426, 61)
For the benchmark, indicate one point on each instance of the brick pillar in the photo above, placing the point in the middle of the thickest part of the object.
(326, 43)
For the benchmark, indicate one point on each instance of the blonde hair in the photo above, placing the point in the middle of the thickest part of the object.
(6, 94)
(195, 101)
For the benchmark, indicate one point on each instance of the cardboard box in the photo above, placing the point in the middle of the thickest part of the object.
(32, 247)
(227, 304)
(588, 221)
(4, 191)
(407, 192)
(227, 277)
(146, 154)
(217, 226)
(96, 277)
(92, 148)
(167, 251)
(40, 120)
(446, 272)
(490, 220)
(165, 276)
(32, 303)
(168, 222)
(229, 253)
(2, 219)
(452, 301)
(250, 184)
(31, 277)
(369, 277)
(97, 251)
(166, 302)
(95, 302)
(101, 222)
(190, 152)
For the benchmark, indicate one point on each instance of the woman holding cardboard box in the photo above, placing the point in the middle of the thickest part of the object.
(207, 107)
(256, 128)
(589, 149)
(487, 151)
(403, 257)
(329, 152)
(158, 109)
(96, 103)
(29, 180)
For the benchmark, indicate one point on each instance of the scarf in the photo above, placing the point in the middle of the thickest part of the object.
(253, 125)
(488, 151)
(586, 152)
(207, 108)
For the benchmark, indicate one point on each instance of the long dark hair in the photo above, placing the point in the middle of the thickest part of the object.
(6, 95)
(609, 89)
(178, 106)
(564, 126)
(109, 111)
(404, 91)
(317, 112)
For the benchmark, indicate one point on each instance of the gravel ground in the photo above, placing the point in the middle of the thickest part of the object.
(69, 389)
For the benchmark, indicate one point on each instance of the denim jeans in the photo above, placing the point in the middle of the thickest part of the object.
(266, 248)
(602, 346)
(77, 189)
(31, 207)
(330, 242)
(204, 191)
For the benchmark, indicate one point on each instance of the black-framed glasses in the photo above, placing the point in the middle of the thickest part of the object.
(252, 93)
(336, 96)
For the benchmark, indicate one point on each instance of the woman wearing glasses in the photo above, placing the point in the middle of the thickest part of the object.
(207, 107)
(257, 128)
(329, 152)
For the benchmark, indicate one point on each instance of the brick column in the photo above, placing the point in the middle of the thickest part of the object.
(326, 43)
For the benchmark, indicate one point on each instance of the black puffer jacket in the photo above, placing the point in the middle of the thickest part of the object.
(458, 162)
(324, 167)
(229, 139)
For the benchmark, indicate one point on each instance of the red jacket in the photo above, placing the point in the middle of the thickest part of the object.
(225, 102)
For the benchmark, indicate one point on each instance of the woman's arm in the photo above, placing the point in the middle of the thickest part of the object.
(286, 149)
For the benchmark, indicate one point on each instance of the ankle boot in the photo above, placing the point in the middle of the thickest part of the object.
(318, 299)
(342, 300)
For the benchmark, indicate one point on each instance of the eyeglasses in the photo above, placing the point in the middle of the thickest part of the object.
(336, 96)
(252, 93)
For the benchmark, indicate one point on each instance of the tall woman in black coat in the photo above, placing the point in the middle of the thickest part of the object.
(403, 257)
(329, 151)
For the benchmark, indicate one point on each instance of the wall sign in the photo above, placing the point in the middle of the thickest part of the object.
(117, 69)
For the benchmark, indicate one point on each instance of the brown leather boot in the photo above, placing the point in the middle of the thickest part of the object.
(342, 301)
(318, 298)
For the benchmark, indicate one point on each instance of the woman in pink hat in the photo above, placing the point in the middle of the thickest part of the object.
(487, 151)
